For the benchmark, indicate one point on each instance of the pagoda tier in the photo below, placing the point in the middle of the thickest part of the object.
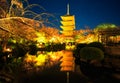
(67, 33)
(68, 25)
(67, 28)
(68, 18)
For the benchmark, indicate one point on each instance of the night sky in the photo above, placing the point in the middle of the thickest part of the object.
(87, 12)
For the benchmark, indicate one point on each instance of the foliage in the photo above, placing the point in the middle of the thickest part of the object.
(76, 52)
(91, 53)
(11, 68)
(32, 49)
(104, 26)
(55, 47)
(0, 48)
(14, 64)
(16, 27)
(20, 50)
(97, 45)
(49, 31)
(3, 8)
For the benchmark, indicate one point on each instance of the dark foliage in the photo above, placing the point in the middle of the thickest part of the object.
(97, 45)
(19, 50)
(33, 49)
(90, 53)
(76, 52)
(97, 74)
(55, 47)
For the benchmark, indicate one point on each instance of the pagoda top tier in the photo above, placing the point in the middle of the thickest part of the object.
(68, 23)
(67, 17)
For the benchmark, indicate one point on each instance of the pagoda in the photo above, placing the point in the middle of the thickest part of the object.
(68, 24)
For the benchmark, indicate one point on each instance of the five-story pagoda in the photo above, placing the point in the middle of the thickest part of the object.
(68, 24)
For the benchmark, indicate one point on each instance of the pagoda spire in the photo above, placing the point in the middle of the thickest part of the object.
(68, 9)
(68, 24)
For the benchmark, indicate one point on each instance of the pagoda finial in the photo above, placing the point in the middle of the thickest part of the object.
(68, 9)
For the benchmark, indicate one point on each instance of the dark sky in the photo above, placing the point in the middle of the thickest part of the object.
(87, 12)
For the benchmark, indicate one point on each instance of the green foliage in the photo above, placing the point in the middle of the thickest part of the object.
(91, 53)
(97, 45)
(13, 65)
(33, 49)
(0, 48)
(76, 52)
(15, 62)
(55, 47)
(104, 26)
(20, 50)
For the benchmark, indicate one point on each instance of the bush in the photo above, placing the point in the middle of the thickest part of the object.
(19, 50)
(90, 53)
(97, 45)
(33, 49)
(76, 52)
(55, 47)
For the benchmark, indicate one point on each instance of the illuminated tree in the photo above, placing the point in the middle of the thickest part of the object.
(104, 26)
(14, 8)
(49, 32)
(17, 28)
(3, 8)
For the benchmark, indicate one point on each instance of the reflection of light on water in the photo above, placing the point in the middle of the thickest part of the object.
(42, 60)
(55, 56)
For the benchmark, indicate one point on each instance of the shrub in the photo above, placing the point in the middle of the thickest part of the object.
(76, 52)
(97, 45)
(90, 53)
(33, 49)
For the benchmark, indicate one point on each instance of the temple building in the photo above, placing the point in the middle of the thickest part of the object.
(109, 36)
(68, 25)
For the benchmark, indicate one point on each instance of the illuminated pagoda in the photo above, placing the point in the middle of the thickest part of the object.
(68, 24)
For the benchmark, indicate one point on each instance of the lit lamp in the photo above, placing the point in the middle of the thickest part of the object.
(8, 51)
